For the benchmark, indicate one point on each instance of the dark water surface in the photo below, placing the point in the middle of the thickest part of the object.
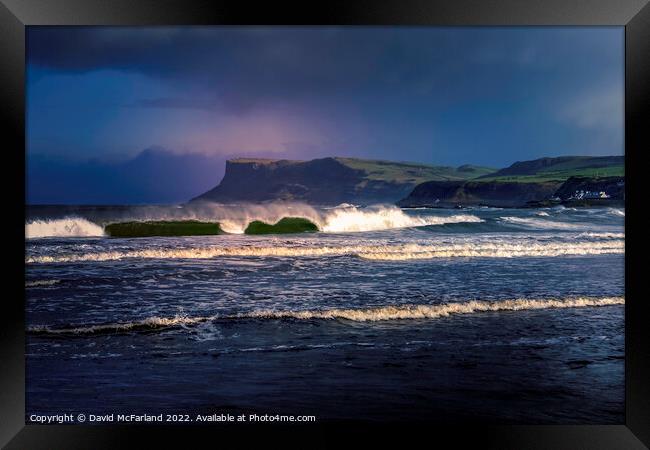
(511, 316)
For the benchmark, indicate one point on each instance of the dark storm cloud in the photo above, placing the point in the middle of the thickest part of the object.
(248, 65)
(450, 96)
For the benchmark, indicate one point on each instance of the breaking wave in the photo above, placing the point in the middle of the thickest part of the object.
(353, 219)
(377, 252)
(344, 218)
(543, 224)
(68, 227)
(384, 313)
(500, 251)
(39, 283)
(235, 218)
(434, 311)
(148, 324)
(602, 235)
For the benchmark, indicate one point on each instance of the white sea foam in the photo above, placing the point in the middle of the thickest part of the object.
(400, 312)
(353, 219)
(602, 235)
(68, 227)
(344, 218)
(381, 252)
(499, 251)
(434, 311)
(235, 218)
(150, 323)
(543, 224)
(38, 283)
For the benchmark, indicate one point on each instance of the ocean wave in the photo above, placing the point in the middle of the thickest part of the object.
(353, 219)
(148, 324)
(501, 251)
(38, 283)
(387, 252)
(384, 313)
(435, 311)
(602, 235)
(543, 224)
(234, 219)
(67, 227)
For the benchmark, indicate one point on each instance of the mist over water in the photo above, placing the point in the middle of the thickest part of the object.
(89, 221)
(235, 218)
(515, 306)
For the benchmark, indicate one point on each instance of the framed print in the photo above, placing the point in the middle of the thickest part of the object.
(380, 219)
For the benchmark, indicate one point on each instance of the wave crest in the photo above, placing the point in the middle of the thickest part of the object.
(434, 311)
(148, 324)
(67, 227)
(498, 251)
(537, 223)
(379, 252)
(383, 313)
(37, 283)
(235, 218)
(353, 219)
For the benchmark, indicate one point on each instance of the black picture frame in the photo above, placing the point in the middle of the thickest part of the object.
(15, 15)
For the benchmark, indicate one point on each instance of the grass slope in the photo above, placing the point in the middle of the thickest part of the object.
(404, 172)
(559, 169)
(163, 228)
(560, 175)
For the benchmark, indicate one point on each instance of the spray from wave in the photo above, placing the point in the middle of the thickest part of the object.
(377, 252)
(353, 219)
(235, 218)
(384, 313)
(67, 227)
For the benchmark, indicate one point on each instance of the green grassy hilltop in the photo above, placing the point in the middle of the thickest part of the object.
(559, 169)
(328, 181)
(336, 180)
(406, 172)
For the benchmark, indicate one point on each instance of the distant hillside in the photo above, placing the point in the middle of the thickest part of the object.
(328, 180)
(474, 192)
(559, 169)
(413, 172)
(539, 181)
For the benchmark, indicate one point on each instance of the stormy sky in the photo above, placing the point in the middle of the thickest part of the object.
(134, 115)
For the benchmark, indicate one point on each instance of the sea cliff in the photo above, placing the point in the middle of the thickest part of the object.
(577, 191)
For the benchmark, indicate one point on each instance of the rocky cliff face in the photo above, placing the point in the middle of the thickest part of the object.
(499, 194)
(331, 181)
(506, 194)
(324, 181)
(614, 187)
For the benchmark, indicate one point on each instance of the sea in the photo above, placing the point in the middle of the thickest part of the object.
(446, 315)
